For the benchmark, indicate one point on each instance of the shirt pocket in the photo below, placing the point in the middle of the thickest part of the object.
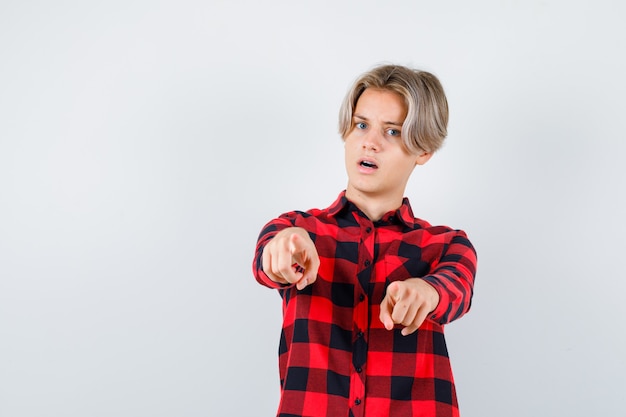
(398, 268)
(395, 269)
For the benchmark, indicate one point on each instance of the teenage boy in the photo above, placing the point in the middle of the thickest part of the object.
(366, 286)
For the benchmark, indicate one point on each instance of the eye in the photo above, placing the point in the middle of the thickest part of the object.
(393, 132)
(360, 125)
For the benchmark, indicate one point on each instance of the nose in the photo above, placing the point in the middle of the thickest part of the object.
(372, 141)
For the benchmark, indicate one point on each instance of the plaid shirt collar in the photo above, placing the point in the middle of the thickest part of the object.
(404, 213)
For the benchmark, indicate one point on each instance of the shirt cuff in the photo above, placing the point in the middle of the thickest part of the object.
(439, 313)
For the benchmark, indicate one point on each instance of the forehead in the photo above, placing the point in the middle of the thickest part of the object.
(383, 104)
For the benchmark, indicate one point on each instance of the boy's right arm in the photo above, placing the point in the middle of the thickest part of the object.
(287, 258)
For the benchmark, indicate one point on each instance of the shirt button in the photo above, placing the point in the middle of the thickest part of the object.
(361, 297)
(359, 334)
(357, 401)
(368, 229)
(367, 262)
(359, 369)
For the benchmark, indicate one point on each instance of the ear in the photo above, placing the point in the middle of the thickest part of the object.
(422, 158)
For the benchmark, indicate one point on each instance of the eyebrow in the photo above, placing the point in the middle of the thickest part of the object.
(358, 116)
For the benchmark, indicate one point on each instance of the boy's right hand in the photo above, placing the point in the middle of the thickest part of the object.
(290, 248)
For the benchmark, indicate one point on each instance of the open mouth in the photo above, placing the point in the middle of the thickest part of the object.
(368, 164)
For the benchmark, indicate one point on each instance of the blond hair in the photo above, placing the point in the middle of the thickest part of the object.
(425, 126)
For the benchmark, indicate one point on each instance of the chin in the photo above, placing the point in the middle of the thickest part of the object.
(366, 190)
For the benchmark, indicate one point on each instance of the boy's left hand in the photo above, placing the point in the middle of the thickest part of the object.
(408, 303)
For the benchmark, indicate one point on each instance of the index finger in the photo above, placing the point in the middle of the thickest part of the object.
(386, 308)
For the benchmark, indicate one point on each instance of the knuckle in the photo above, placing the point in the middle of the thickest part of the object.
(284, 271)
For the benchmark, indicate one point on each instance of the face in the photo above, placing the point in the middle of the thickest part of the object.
(378, 164)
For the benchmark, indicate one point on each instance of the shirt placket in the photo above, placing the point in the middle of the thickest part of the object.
(361, 317)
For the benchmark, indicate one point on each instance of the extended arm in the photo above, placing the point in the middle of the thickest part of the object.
(443, 295)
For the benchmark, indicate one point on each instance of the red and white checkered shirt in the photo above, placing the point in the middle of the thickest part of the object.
(335, 356)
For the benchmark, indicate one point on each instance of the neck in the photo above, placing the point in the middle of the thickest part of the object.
(374, 207)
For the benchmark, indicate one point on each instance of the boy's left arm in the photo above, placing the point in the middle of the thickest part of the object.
(453, 279)
(444, 295)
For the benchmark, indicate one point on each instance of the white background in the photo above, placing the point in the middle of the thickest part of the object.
(143, 145)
